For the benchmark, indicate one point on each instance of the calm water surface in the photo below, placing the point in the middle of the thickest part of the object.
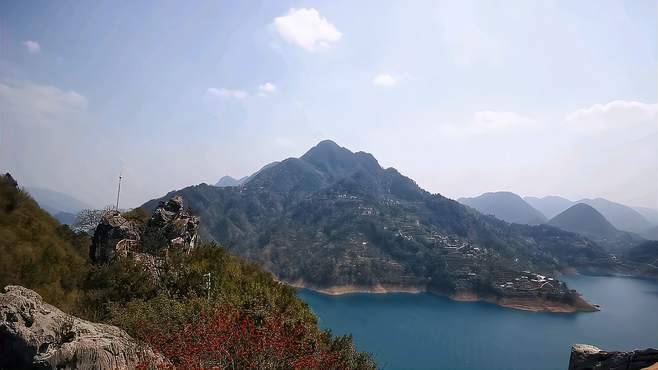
(423, 331)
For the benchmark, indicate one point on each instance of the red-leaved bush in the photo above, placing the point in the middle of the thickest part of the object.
(228, 338)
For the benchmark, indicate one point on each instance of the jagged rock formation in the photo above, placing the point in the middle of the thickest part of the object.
(36, 335)
(171, 226)
(586, 357)
(114, 234)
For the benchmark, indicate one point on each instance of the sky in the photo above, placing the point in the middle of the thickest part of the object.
(535, 97)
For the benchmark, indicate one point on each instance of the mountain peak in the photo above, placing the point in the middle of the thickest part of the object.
(228, 181)
(507, 206)
(328, 143)
(583, 218)
(324, 148)
(334, 160)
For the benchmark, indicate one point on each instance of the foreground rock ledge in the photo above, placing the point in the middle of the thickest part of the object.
(36, 335)
(586, 357)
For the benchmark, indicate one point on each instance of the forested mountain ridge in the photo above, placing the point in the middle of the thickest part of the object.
(336, 220)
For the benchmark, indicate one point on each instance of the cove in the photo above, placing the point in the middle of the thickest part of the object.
(422, 331)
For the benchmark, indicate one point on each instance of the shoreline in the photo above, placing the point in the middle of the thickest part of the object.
(522, 304)
(349, 289)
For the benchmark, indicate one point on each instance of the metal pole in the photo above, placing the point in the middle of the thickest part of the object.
(118, 192)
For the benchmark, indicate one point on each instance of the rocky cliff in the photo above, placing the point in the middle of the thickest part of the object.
(586, 357)
(170, 226)
(36, 335)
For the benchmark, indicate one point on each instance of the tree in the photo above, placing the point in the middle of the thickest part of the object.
(87, 219)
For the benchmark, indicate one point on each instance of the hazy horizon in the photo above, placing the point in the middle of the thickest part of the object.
(551, 98)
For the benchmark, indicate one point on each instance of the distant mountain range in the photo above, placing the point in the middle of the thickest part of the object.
(583, 219)
(336, 221)
(61, 206)
(533, 210)
(506, 206)
(550, 205)
(621, 216)
(649, 214)
(231, 181)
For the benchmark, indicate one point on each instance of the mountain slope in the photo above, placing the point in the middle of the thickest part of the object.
(621, 216)
(228, 181)
(645, 256)
(335, 220)
(54, 202)
(36, 251)
(651, 234)
(582, 218)
(550, 205)
(587, 221)
(506, 206)
(650, 214)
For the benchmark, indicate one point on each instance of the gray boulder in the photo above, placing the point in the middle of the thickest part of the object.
(114, 234)
(586, 357)
(36, 335)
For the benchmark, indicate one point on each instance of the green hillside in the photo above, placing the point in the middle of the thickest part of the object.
(206, 308)
(37, 252)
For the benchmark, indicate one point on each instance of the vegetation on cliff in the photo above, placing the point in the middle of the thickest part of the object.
(37, 252)
(207, 308)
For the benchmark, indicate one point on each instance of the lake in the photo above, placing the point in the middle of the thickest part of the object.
(424, 331)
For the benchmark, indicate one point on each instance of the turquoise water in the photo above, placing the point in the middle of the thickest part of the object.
(423, 331)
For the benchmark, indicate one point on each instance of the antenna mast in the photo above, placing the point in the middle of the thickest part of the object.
(118, 191)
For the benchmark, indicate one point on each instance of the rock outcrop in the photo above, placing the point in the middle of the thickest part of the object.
(10, 180)
(114, 234)
(170, 226)
(36, 335)
(586, 357)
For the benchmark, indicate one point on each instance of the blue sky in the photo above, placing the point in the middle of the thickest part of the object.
(550, 97)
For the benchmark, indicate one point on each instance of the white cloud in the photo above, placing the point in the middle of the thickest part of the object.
(226, 94)
(31, 104)
(306, 28)
(490, 122)
(618, 114)
(267, 88)
(32, 47)
(384, 80)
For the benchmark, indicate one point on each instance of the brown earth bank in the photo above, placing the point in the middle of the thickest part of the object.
(526, 304)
